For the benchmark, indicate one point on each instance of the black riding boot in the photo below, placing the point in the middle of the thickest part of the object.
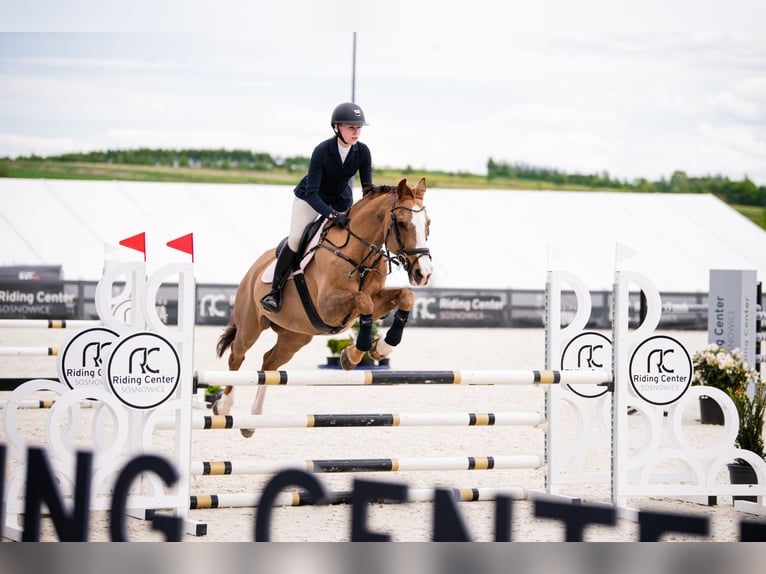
(272, 301)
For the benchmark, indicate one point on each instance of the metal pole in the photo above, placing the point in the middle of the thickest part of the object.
(353, 72)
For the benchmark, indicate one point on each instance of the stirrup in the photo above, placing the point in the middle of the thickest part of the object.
(272, 301)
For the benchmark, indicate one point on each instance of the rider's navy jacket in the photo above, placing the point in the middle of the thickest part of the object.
(327, 185)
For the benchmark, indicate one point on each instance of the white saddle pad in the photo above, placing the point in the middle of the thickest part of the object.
(268, 273)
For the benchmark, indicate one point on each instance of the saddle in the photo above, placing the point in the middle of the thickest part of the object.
(309, 240)
(306, 249)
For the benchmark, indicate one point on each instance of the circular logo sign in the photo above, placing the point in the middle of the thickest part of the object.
(588, 350)
(660, 370)
(80, 363)
(143, 370)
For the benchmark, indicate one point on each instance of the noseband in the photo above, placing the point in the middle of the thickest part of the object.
(402, 254)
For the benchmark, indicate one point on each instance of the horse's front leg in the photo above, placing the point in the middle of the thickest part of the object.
(352, 355)
(402, 300)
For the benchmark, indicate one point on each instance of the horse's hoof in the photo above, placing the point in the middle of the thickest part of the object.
(215, 407)
(247, 433)
(376, 355)
(350, 357)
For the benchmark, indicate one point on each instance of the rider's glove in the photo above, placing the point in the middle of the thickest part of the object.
(339, 218)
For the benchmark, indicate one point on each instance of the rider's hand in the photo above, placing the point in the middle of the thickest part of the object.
(339, 218)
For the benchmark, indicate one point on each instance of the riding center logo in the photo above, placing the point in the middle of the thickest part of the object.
(81, 361)
(143, 370)
(660, 370)
(588, 350)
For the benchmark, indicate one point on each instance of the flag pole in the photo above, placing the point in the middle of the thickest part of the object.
(353, 71)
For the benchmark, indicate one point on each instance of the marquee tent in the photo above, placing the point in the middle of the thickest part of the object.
(494, 239)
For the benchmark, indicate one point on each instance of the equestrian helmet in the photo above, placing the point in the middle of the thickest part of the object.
(347, 113)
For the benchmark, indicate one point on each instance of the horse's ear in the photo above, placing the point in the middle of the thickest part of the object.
(420, 190)
(403, 190)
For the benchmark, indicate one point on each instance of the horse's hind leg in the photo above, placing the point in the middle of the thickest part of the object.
(243, 339)
(288, 343)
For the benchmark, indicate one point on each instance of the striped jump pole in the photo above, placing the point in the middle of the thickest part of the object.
(48, 323)
(372, 377)
(227, 467)
(29, 351)
(214, 422)
(44, 403)
(31, 404)
(684, 307)
(302, 498)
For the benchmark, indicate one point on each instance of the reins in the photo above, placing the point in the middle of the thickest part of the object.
(376, 252)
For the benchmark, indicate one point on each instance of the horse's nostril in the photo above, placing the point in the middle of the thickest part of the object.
(418, 278)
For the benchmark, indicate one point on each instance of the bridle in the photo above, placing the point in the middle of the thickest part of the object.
(401, 257)
(376, 253)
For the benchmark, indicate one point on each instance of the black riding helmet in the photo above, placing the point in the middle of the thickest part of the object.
(347, 113)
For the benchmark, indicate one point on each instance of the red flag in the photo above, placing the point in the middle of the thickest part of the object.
(137, 242)
(184, 243)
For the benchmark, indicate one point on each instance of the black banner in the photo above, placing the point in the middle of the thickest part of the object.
(35, 299)
(30, 272)
(215, 304)
(39, 300)
(460, 308)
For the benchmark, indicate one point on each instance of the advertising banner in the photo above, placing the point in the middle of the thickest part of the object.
(460, 308)
(732, 311)
(38, 300)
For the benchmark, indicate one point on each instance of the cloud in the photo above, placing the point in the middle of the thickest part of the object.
(91, 64)
(745, 101)
(553, 84)
(15, 145)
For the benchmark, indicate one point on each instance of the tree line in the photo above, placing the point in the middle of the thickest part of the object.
(743, 192)
(201, 158)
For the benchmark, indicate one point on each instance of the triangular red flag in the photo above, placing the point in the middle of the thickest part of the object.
(184, 243)
(137, 242)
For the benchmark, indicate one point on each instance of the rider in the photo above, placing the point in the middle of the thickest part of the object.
(325, 190)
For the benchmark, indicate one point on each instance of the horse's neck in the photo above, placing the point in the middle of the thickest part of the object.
(372, 219)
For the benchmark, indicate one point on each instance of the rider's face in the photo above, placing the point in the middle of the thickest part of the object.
(350, 133)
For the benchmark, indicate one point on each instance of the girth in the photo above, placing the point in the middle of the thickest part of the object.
(311, 312)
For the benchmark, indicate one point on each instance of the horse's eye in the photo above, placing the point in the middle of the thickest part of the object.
(401, 224)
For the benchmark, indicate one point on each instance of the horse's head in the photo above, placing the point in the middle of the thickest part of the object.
(410, 227)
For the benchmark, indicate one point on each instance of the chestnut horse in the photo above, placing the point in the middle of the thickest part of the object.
(345, 279)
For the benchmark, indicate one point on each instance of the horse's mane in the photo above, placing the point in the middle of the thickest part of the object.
(372, 190)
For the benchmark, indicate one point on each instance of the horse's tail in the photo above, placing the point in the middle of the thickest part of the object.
(226, 339)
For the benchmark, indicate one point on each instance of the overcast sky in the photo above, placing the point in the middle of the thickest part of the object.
(633, 88)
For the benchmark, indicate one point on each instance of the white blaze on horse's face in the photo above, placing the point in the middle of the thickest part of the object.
(420, 222)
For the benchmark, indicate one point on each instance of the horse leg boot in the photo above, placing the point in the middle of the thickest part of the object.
(272, 301)
(381, 348)
(352, 355)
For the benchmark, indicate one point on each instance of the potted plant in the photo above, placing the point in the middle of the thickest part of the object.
(336, 347)
(212, 394)
(723, 369)
(750, 400)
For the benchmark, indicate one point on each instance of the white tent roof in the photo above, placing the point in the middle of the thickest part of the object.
(479, 238)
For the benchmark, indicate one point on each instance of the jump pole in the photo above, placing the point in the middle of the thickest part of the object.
(403, 464)
(48, 323)
(29, 351)
(301, 498)
(340, 378)
(219, 422)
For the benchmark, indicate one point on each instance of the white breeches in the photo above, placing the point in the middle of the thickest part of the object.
(302, 215)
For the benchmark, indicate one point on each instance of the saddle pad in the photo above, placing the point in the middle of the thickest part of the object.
(268, 273)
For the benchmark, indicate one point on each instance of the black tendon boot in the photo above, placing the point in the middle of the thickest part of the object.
(272, 301)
